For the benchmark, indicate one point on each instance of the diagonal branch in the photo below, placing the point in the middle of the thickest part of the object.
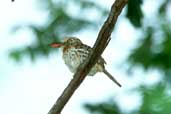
(98, 48)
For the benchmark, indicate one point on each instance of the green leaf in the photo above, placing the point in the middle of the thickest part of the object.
(134, 12)
(103, 108)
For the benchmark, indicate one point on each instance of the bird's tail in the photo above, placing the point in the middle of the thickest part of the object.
(111, 77)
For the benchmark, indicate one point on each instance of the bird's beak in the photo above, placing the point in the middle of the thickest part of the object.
(56, 45)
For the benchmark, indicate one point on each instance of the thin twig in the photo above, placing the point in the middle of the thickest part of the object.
(98, 48)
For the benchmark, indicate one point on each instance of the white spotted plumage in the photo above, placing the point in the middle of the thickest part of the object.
(76, 55)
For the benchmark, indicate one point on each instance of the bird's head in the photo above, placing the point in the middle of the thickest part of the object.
(68, 41)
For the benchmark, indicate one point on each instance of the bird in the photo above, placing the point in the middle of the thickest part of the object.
(75, 53)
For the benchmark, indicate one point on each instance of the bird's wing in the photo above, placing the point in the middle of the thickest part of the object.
(87, 49)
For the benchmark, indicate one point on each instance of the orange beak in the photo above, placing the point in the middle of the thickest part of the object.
(56, 45)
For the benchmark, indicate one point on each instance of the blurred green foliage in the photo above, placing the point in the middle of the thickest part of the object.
(60, 24)
(155, 100)
(134, 12)
(154, 48)
(103, 108)
(150, 54)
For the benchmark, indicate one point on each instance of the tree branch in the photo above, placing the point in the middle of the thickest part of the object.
(101, 43)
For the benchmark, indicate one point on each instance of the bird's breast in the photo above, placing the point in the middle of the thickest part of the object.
(71, 58)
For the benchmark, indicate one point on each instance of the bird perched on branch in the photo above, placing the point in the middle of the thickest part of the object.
(75, 53)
